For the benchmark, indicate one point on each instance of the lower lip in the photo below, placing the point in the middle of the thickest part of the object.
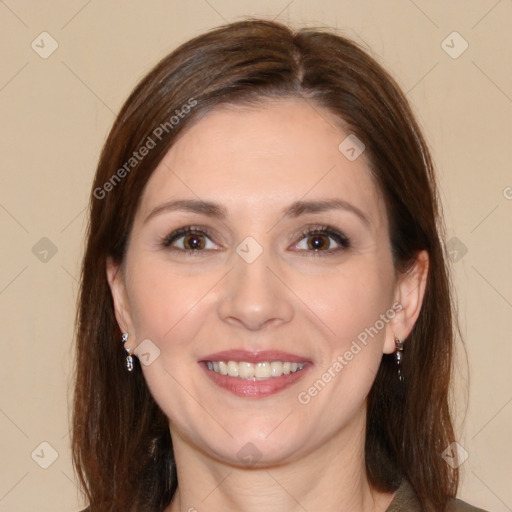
(254, 388)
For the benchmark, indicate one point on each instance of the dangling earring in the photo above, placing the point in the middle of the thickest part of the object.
(129, 358)
(398, 358)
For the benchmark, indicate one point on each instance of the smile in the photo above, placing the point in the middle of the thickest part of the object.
(254, 371)
(255, 374)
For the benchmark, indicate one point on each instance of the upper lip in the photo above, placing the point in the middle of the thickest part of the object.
(254, 357)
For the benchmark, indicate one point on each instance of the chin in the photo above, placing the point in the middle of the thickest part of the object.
(257, 448)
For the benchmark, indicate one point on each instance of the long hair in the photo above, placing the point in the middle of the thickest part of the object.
(122, 449)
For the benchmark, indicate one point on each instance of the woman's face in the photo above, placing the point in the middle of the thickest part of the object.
(286, 264)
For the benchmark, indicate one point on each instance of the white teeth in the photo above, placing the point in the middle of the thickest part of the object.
(245, 370)
(277, 368)
(262, 370)
(257, 371)
(232, 369)
(223, 368)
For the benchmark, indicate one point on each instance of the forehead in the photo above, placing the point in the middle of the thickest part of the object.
(263, 157)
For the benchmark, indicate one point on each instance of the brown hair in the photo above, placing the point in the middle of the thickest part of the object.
(122, 449)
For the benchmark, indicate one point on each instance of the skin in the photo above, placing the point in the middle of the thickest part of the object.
(255, 162)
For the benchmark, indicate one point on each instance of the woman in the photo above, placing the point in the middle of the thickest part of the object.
(265, 318)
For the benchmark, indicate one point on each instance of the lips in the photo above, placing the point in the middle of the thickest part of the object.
(254, 357)
(287, 369)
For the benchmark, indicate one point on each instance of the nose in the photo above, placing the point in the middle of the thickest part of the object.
(254, 297)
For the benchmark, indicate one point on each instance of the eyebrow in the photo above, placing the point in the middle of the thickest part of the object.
(190, 205)
(296, 209)
(303, 207)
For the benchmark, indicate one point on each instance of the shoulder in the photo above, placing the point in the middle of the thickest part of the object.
(462, 506)
(405, 500)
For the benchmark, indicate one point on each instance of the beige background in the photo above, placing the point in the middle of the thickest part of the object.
(55, 115)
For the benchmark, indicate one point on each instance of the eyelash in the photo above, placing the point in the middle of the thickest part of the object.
(336, 235)
(178, 233)
(342, 240)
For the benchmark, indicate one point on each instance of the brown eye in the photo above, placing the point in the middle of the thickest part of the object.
(193, 242)
(318, 242)
(190, 239)
(322, 240)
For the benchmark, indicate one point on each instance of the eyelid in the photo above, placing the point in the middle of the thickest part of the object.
(340, 238)
(167, 240)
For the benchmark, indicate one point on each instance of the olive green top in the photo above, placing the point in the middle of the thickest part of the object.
(405, 501)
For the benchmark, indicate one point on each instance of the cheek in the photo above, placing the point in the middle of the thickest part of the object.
(352, 304)
(350, 300)
(171, 310)
(165, 304)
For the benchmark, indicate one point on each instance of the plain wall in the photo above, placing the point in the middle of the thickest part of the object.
(56, 112)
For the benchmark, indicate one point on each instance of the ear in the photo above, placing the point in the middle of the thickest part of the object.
(409, 294)
(116, 281)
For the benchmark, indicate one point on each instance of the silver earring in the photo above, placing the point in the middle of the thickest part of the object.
(129, 358)
(398, 358)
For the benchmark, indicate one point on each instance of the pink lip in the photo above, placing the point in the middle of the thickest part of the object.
(254, 388)
(254, 357)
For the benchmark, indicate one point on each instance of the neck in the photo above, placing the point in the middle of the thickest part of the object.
(331, 478)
